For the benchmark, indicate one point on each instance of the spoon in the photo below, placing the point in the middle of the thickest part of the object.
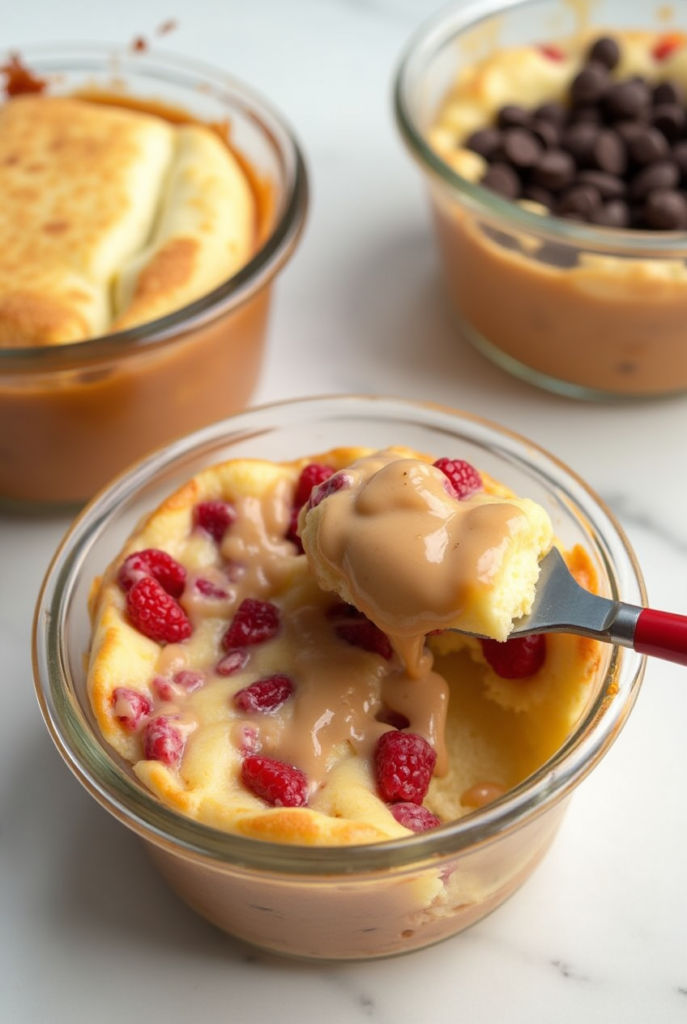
(561, 605)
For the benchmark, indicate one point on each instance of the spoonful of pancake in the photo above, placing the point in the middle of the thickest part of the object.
(422, 547)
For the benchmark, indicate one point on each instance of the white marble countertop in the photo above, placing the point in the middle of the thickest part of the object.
(599, 934)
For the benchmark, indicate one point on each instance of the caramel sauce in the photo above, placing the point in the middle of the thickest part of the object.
(481, 794)
(339, 689)
(393, 542)
(19, 79)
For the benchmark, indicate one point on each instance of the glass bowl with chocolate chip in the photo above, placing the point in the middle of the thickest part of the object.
(297, 775)
(553, 141)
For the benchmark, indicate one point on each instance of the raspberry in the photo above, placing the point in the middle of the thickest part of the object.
(188, 679)
(264, 694)
(292, 529)
(209, 589)
(366, 635)
(463, 477)
(279, 784)
(163, 688)
(249, 739)
(254, 622)
(130, 707)
(343, 610)
(414, 817)
(404, 763)
(551, 51)
(517, 658)
(232, 662)
(668, 44)
(155, 614)
(215, 517)
(356, 629)
(329, 486)
(152, 562)
(162, 742)
(235, 571)
(312, 476)
(184, 681)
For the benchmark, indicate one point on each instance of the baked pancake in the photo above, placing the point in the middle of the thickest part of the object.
(110, 217)
(247, 697)
(204, 231)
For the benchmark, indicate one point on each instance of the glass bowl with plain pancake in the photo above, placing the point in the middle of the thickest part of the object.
(147, 203)
(349, 871)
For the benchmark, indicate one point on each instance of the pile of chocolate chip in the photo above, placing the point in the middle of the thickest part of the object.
(614, 155)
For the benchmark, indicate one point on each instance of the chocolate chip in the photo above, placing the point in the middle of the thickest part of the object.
(554, 170)
(661, 175)
(607, 185)
(548, 133)
(669, 118)
(579, 141)
(628, 100)
(637, 216)
(614, 157)
(502, 238)
(579, 201)
(590, 84)
(555, 113)
(573, 215)
(587, 115)
(613, 214)
(503, 179)
(513, 116)
(647, 146)
(628, 129)
(668, 92)
(679, 155)
(540, 195)
(555, 255)
(609, 153)
(520, 147)
(487, 142)
(605, 51)
(666, 210)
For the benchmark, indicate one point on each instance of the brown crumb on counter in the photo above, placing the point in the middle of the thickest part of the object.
(167, 26)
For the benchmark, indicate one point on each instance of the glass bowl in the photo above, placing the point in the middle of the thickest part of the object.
(71, 416)
(586, 311)
(354, 901)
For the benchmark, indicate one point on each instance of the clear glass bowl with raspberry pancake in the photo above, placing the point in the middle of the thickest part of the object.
(148, 202)
(298, 777)
(553, 139)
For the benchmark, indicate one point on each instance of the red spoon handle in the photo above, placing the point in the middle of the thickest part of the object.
(662, 635)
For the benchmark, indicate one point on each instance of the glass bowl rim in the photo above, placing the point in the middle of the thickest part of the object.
(435, 32)
(168, 67)
(149, 818)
